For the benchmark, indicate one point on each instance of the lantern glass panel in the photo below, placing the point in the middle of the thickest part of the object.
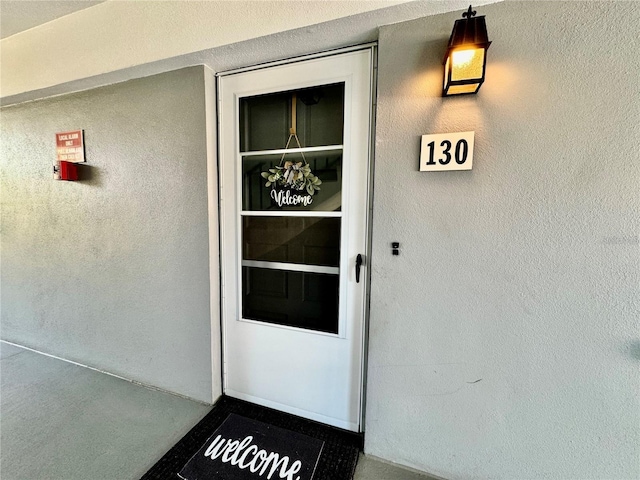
(468, 64)
(447, 69)
(460, 89)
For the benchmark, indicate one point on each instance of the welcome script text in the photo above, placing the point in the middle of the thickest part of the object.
(285, 197)
(243, 454)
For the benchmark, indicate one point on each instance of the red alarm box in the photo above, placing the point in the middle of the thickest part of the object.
(68, 170)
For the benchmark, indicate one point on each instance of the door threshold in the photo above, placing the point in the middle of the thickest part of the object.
(347, 426)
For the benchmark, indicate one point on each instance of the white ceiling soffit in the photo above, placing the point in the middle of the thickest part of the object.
(19, 15)
(120, 40)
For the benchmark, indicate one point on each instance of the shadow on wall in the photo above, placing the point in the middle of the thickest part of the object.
(424, 79)
(633, 349)
(89, 175)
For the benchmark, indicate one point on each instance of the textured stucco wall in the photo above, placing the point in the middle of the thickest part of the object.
(112, 271)
(505, 337)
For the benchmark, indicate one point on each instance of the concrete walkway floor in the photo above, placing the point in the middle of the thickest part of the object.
(60, 421)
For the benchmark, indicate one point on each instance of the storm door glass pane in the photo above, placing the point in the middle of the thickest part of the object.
(326, 166)
(296, 299)
(265, 119)
(291, 206)
(301, 240)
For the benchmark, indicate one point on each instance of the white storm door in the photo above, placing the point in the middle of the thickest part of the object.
(293, 223)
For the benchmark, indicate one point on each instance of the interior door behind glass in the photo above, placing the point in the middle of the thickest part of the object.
(291, 146)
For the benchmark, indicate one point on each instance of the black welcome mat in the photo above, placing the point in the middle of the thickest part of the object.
(337, 460)
(245, 449)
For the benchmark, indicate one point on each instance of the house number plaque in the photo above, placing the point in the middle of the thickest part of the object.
(446, 151)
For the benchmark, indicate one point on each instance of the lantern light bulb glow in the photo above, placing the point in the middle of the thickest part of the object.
(461, 58)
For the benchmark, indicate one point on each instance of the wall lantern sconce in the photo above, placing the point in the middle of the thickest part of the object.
(466, 58)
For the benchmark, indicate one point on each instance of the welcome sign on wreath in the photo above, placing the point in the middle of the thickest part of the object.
(292, 183)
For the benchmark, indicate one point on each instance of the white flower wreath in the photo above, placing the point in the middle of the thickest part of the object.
(296, 176)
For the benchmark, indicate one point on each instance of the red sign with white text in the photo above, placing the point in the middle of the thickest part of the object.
(70, 146)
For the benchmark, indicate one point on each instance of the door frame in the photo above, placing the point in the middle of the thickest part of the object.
(216, 227)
